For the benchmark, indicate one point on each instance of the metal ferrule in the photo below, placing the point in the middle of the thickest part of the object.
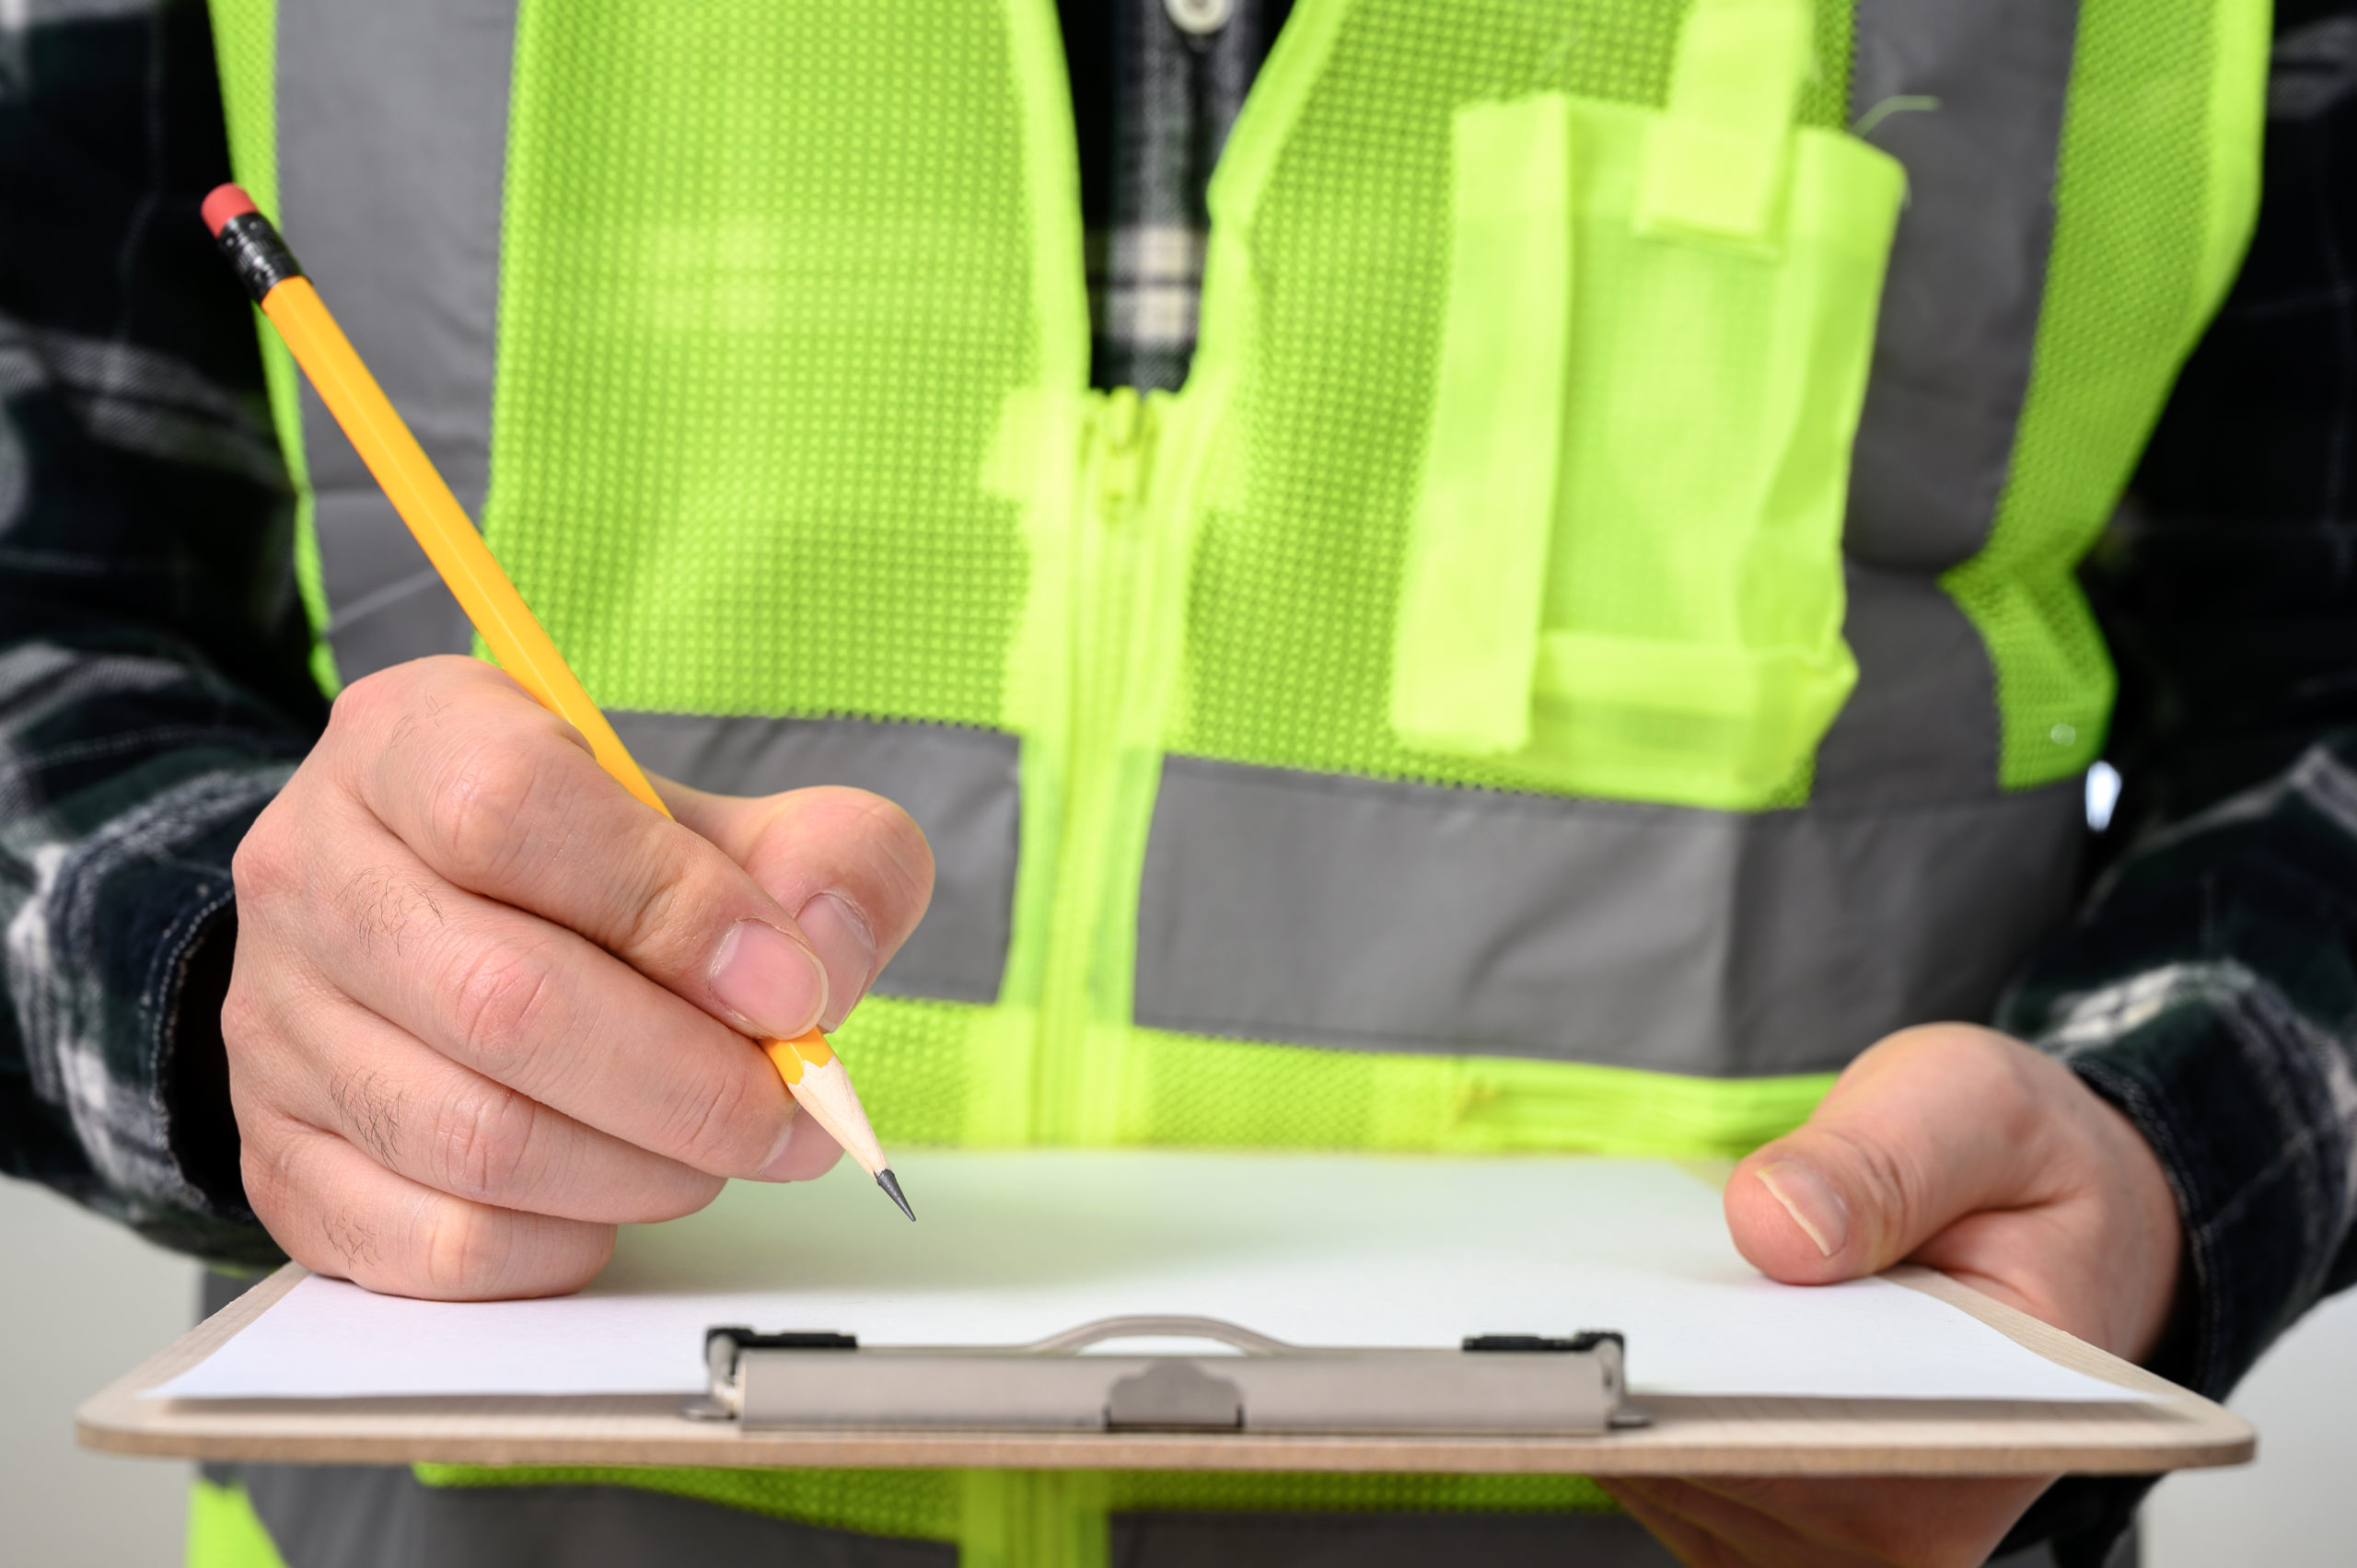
(260, 257)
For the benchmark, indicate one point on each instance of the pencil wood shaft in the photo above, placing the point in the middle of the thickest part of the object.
(824, 1090)
(417, 492)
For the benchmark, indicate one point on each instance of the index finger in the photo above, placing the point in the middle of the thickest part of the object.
(500, 797)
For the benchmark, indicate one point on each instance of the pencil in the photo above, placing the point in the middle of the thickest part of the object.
(810, 1069)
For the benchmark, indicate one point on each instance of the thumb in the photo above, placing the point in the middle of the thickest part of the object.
(1932, 1124)
(852, 869)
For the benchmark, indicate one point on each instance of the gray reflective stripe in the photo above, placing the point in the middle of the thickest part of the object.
(961, 785)
(1385, 916)
(392, 132)
(1384, 1540)
(1922, 724)
(1969, 95)
(368, 1517)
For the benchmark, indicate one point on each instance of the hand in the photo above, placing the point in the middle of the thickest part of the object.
(485, 1006)
(1959, 1148)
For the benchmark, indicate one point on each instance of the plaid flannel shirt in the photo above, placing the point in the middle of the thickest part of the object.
(153, 693)
(151, 643)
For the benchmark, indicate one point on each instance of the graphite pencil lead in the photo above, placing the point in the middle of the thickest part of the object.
(891, 1185)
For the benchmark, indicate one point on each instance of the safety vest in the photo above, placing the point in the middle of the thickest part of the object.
(1591, 649)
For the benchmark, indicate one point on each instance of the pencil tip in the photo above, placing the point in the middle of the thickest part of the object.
(891, 1185)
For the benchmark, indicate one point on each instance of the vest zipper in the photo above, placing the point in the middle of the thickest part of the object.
(1075, 1087)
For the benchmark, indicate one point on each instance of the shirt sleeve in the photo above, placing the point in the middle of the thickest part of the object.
(154, 688)
(2210, 993)
(2209, 987)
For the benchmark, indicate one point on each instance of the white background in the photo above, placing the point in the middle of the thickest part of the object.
(81, 1301)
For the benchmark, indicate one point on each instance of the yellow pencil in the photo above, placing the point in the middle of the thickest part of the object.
(517, 640)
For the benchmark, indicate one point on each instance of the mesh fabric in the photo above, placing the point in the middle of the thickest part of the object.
(1684, 596)
(770, 306)
(767, 288)
(2155, 193)
(1304, 526)
(915, 1063)
(1183, 1090)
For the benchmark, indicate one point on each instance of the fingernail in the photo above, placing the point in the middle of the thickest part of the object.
(838, 932)
(769, 980)
(1815, 1206)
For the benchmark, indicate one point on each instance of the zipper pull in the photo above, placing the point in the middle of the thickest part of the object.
(1124, 429)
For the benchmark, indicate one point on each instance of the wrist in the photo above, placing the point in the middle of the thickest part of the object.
(2150, 1237)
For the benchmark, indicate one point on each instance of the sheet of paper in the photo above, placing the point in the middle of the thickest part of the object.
(1012, 1247)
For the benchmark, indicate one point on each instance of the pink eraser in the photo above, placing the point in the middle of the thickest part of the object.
(226, 202)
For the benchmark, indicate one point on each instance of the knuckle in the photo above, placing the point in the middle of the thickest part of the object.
(909, 851)
(714, 1137)
(371, 1109)
(266, 1167)
(243, 1015)
(268, 861)
(462, 1250)
(500, 1007)
(379, 903)
(403, 688)
(1895, 1185)
(262, 1171)
(905, 866)
(896, 853)
(353, 1236)
(655, 921)
(485, 1138)
(362, 707)
(380, 709)
(453, 1250)
(484, 796)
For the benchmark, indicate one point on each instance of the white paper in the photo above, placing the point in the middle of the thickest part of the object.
(1014, 1247)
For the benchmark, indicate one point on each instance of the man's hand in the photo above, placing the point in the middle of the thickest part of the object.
(1960, 1148)
(486, 1006)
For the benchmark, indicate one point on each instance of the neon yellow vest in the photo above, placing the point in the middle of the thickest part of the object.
(1581, 658)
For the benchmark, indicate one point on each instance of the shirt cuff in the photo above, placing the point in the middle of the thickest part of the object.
(116, 962)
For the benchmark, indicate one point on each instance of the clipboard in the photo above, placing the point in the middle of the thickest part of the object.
(2153, 1427)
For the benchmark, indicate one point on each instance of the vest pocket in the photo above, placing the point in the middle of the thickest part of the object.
(1624, 573)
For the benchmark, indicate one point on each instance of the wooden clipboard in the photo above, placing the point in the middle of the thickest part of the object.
(2172, 1429)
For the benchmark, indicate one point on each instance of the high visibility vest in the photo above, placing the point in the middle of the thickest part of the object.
(1591, 649)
